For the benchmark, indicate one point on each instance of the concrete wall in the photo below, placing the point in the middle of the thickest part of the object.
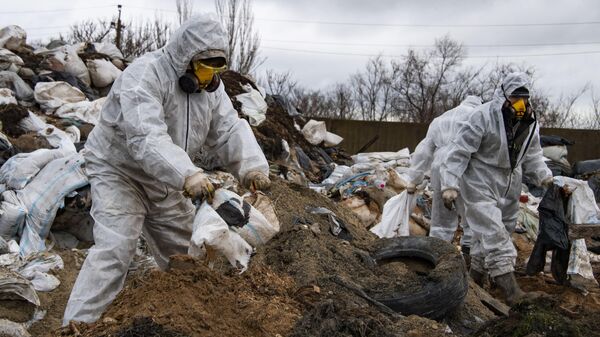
(394, 136)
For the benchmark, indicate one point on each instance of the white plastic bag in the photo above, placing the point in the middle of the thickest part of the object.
(12, 215)
(210, 232)
(21, 168)
(396, 216)
(52, 95)
(253, 106)
(10, 61)
(6, 96)
(331, 139)
(315, 133)
(108, 49)
(379, 157)
(55, 136)
(84, 111)
(12, 81)
(12, 37)
(102, 72)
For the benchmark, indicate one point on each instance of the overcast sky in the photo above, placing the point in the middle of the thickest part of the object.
(375, 27)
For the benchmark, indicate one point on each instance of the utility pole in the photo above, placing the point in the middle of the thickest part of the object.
(119, 27)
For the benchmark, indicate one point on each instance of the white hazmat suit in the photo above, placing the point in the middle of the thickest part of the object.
(478, 165)
(138, 157)
(429, 155)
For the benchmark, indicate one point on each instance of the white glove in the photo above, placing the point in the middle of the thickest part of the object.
(198, 186)
(548, 181)
(256, 180)
(449, 196)
(411, 188)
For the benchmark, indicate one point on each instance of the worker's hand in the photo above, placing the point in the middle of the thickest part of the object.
(198, 187)
(411, 188)
(449, 196)
(547, 182)
(256, 180)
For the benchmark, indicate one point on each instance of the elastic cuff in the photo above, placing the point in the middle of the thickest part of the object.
(501, 270)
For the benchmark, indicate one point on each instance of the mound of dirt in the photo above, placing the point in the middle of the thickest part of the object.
(29, 142)
(10, 117)
(197, 301)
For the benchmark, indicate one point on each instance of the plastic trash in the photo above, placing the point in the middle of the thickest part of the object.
(73, 64)
(108, 49)
(15, 287)
(316, 133)
(53, 95)
(396, 216)
(84, 111)
(10, 61)
(12, 215)
(381, 157)
(337, 227)
(21, 168)
(253, 105)
(55, 136)
(102, 72)
(7, 97)
(21, 90)
(13, 37)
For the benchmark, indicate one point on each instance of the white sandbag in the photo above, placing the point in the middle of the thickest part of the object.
(14, 286)
(557, 153)
(56, 137)
(339, 172)
(102, 72)
(74, 133)
(6, 96)
(331, 139)
(380, 157)
(74, 65)
(41, 262)
(44, 282)
(579, 262)
(10, 61)
(210, 232)
(582, 207)
(262, 223)
(14, 82)
(21, 168)
(44, 195)
(12, 37)
(108, 49)
(53, 95)
(314, 131)
(12, 215)
(253, 106)
(85, 111)
(396, 216)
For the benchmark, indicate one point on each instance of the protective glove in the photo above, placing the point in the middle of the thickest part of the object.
(198, 186)
(449, 196)
(256, 180)
(547, 182)
(411, 188)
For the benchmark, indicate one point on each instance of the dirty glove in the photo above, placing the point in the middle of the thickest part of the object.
(411, 188)
(548, 181)
(198, 187)
(449, 196)
(256, 180)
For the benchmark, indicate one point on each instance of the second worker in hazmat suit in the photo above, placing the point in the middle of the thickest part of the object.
(489, 154)
(428, 156)
(162, 109)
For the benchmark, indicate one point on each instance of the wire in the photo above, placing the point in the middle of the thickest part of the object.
(397, 56)
(56, 10)
(541, 24)
(431, 45)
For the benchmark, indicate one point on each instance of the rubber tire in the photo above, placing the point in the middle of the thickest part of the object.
(447, 284)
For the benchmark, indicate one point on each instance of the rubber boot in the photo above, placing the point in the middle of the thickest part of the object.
(466, 254)
(478, 277)
(511, 290)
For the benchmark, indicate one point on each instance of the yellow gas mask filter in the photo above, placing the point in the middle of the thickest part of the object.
(205, 73)
(520, 108)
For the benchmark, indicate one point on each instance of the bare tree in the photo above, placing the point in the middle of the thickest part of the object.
(561, 112)
(342, 102)
(373, 90)
(184, 10)
(279, 83)
(243, 42)
(89, 31)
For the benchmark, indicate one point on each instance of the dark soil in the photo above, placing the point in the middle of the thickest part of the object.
(29, 142)
(10, 117)
(145, 327)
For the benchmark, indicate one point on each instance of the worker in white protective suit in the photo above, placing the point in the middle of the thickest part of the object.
(428, 156)
(163, 108)
(491, 150)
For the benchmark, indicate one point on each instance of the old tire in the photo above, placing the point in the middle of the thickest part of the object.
(447, 283)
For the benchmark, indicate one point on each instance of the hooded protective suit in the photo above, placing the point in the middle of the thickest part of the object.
(138, 156)
(429, 155)
(478, 162)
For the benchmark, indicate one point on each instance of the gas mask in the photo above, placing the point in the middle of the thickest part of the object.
(517, 109)
(201, 76)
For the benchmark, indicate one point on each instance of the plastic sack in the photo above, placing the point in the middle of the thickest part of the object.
(315, 133)
(579, 261)
(582, 208)
(12, 81)
(53, 95)
(12, 37)
(36, 270)
(102, 72)
(84, 111)
(10, 61)
(586, 167)
(6, 97)
(12, 215)
(381, 157)
(211, 233)
(108, 49)
(44, 195)
(21, 168)
(15, 287)
(396, 216)
(74, 65)
(56, 137)
(253, 106)
(339, 172)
